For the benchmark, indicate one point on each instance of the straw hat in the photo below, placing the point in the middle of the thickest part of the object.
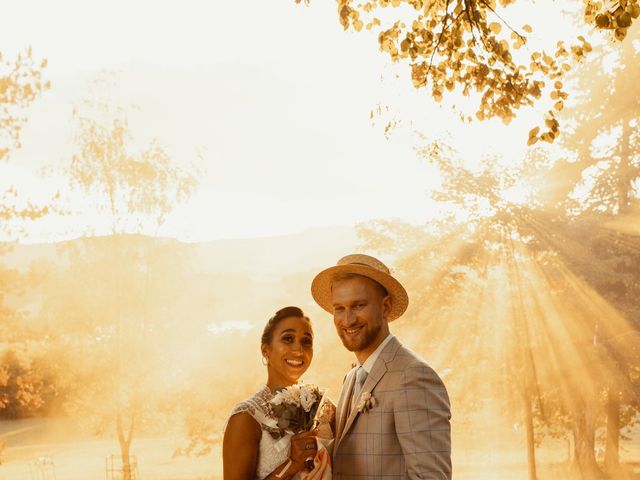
(366, 266)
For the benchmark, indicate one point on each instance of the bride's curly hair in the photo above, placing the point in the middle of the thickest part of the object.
(272, 323)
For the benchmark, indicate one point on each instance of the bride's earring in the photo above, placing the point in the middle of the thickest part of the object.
(265, 361)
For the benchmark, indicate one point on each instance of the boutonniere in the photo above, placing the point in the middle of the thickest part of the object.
(366, 402)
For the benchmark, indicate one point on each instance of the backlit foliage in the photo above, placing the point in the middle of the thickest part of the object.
(604, 137)
(135, 186)
(21, 83)
(616, 16)
(466, 45)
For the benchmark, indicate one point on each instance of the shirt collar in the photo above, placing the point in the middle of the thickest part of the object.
(371, 359)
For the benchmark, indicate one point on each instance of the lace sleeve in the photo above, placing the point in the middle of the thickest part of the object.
(254, 406)
(243, 407)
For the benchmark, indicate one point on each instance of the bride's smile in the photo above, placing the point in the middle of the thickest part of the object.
(295, 363)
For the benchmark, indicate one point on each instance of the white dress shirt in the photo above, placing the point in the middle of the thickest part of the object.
(371, 359)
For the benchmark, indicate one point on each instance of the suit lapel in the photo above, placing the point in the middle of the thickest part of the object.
(345, 399)
(376, 374)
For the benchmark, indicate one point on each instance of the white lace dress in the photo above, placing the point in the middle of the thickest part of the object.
(272, 452)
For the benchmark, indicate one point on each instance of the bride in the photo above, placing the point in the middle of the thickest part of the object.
(249, 451)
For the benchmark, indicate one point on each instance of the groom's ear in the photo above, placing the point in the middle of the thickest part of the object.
(386, 306)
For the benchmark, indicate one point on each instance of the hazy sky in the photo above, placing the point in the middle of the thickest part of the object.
(275, 98)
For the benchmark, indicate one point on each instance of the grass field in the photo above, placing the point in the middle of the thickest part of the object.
(30, 443)
(74, 456)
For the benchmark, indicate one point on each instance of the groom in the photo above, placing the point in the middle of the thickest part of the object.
(393, 415)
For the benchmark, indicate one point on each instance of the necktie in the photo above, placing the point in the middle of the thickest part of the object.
(361, 376)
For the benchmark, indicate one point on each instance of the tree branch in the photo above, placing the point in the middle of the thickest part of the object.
(444, 28)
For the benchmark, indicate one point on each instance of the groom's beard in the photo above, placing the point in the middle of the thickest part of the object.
(366, 337)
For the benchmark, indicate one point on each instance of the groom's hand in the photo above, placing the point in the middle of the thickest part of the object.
(303, 446)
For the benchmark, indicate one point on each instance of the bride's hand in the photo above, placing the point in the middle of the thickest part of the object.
(303, 446)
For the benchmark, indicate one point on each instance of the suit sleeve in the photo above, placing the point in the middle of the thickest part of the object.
(422, 415)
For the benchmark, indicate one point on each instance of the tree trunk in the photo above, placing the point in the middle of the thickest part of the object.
(531, 446)
(625, 174)
(611, 453)
(126, 462)
(584, 444)
(125, 444)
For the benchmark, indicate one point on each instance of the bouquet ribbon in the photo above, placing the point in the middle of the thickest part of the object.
(321, 464)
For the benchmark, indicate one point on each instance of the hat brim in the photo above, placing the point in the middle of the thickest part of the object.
(321, 287)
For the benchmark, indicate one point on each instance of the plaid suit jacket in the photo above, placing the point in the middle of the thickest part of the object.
(407, 435)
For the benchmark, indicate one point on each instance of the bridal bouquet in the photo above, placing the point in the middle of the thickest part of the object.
(296, 409)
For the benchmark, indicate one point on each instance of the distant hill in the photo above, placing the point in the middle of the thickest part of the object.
(267, 256)
(310, 249)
